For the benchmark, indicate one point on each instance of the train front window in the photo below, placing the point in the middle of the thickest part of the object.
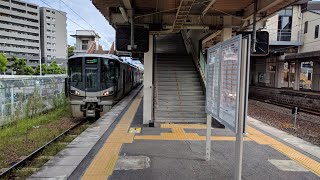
(109, 72)
(92, 78)
(75, 69)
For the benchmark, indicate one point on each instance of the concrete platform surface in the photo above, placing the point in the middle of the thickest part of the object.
(177, 151)
(66, 161)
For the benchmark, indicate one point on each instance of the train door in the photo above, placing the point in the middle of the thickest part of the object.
(92, 80)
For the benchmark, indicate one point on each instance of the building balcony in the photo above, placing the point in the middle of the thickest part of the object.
(19, 21)
(279, 37)
(18, 28)
(3, 3)
(19, 42)
(21, 50)
(20, 14)
(17, 35)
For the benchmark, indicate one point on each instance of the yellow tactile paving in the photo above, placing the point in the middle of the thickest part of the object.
(177, 130)
(302, 159)
(104, 162)
(185, 137)
(184, 126)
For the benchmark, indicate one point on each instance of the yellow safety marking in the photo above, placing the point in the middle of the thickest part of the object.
(104, 162)
(135, 130)
(178, 134)
(295, 155)
(177, 130)
(185, 137)
(184, 126)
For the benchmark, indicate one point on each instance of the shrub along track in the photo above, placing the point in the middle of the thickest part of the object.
(25, 148)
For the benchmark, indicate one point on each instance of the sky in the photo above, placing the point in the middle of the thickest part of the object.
(87, 11)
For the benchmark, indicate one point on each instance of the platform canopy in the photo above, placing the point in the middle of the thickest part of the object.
(170, 16)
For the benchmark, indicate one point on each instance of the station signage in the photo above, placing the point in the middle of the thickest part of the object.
(227, 91)
(223, 79)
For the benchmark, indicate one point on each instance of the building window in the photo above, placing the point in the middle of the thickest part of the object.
(48, 17)
(48, 11)
(32, 6)
(305, 27)
(85, 44)
(285, 24)
(316, 32)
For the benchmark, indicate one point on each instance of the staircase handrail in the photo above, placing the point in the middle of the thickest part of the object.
(195, 58)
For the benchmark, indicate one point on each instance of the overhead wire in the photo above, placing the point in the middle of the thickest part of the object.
(81, 18)
(70, 18)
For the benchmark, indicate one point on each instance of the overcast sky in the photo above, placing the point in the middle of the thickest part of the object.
(87, 11)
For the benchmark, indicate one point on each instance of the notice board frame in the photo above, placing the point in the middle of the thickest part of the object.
(215, 57)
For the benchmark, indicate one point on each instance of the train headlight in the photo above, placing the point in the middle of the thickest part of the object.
(106, 93)
(77, 93)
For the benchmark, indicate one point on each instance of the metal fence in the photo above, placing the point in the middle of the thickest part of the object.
(21, 96)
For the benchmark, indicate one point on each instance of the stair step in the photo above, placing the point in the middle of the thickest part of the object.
(181, 98)
(180, 120)
(161, 83)
(181, 108)
(182, 93)
(175, 63)
(172, 88)
(181, 103)
(186, 79)
(164, 114)
(178, 72)
(165, 69)
(177, 75)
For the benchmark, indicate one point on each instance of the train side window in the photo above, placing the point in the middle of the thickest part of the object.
(75, 69)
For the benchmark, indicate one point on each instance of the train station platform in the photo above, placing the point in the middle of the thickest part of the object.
(118, 146)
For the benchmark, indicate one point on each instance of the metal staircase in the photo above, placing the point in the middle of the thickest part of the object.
(178, 94)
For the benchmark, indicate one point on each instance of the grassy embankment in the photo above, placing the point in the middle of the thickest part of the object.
(23, 136)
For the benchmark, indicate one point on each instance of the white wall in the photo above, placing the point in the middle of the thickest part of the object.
(296, 21)
(309, 42)
(272, 27)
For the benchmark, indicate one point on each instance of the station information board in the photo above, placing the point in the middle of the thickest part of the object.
(223, 81)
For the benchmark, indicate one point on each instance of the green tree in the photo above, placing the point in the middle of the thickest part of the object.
(3, 63)
(19, 65)
(54, 68)
(70, 50)
(28, 70)
(43, 69)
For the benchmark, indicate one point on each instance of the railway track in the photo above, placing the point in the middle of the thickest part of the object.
(304, 110)
(35, 153)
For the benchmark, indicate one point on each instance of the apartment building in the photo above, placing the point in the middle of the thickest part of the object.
(294, 49)
(53, 32)
(20, 31)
